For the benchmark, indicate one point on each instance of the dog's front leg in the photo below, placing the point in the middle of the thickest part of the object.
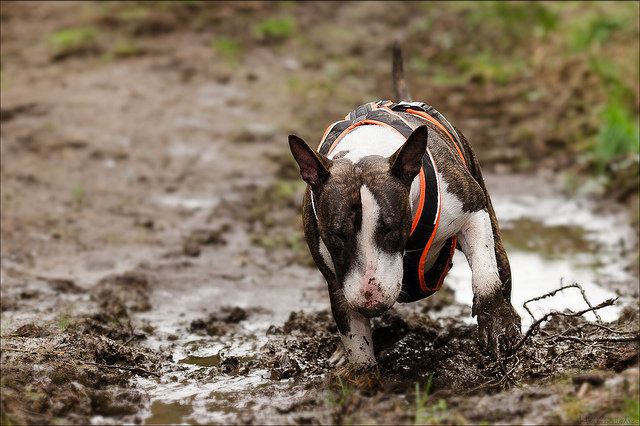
(355, 331)
(498, 322)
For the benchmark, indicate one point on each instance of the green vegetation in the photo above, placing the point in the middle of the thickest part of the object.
(429, 413)
(72, 38)
(345, 390)
(274, 28)
(64, 322)
(618, 135)
(229, 48)
(77, 195)
(585, 53)
(226, 46)
(632, 410)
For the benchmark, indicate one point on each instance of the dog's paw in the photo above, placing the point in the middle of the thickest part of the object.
(498, 326)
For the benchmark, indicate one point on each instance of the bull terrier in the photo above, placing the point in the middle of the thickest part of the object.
(392, 191)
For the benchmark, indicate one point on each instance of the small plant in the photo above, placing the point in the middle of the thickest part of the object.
(126, 49)
(632, 410)
(274, 29)
(345, 391)
(72, 38)
(420, 402)
(618, 135)
(228, 47)
(78, 195)
(595, 30)
(64, 322)
(428, 414)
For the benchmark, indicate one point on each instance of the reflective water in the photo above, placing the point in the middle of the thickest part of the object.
(552, 241)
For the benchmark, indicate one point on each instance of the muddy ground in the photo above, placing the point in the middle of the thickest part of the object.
(150, 207)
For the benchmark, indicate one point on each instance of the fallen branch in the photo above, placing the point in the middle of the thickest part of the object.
(20, 350)
(552, 293)
(631, 338)
(534, 327)
(132, 369)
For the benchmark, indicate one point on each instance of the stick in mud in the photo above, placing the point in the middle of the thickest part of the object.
(534, 327)
(553, 292)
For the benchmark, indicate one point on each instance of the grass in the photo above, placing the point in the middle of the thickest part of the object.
(77, 195)
(428, 414)
(618, 135)
(64, 322)
(345, 391)
(632, 410)
(72, 38)
(274, 29)
(228, 47)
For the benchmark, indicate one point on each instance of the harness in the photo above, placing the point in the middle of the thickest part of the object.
(416, 283)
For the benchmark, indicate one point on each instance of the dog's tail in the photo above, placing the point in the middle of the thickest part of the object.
(399, 85)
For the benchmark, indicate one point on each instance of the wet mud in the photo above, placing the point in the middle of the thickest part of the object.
(153, 266)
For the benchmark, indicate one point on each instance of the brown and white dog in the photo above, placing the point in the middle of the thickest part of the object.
(393, 190)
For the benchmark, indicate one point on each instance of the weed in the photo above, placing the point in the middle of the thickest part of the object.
(64, 322)
(134, 13)
(517, 19)
(345, 391)
(126, 49)
(72, 38)
(274, 29)
(632, 410)
(428, 414)
(618, 135)
(226, 45)
(229, 48)
(598, 29)
(77, 195)
(420, 402)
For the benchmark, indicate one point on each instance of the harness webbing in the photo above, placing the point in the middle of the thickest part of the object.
(417, 283)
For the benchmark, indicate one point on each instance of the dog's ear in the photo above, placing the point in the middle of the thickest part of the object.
(407, 160)
(314, 167)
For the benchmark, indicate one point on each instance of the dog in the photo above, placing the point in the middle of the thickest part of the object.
(391, 192)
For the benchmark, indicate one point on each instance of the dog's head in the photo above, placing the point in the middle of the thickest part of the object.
(364, 217)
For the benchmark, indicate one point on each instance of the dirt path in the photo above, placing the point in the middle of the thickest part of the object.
(148, 199)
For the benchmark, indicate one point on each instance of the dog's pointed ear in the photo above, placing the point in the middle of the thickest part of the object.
(314, 167)
(406, 162)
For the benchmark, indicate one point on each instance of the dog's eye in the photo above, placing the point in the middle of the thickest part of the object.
(387, 230)
(340, 236)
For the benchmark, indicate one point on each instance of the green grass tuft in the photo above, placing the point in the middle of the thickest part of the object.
(73, 37)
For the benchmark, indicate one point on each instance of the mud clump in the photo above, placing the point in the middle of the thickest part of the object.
(71, 375)
(66, 286)
(302, 346)
(204, 237)
(130, 290)
(220, 323)
(417, 348)
(31, 330)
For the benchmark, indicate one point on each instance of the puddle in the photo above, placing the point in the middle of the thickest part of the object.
(551, 241)
(187, 203)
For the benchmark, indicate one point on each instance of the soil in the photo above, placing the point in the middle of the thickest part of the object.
(149, 198)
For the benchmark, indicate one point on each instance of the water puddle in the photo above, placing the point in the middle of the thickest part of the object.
(553, 241)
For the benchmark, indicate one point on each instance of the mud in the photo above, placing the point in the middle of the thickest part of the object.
(153, 265)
